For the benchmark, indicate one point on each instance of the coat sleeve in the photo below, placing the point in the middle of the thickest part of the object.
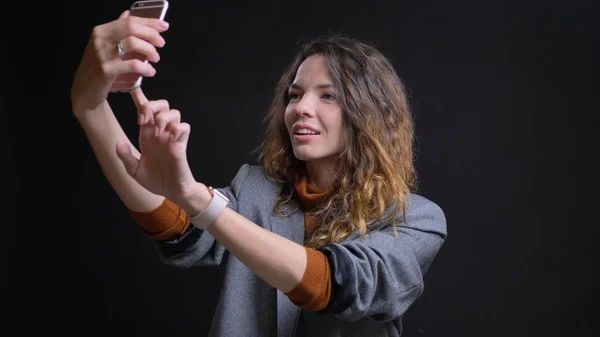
(381, 275)
(197, 247)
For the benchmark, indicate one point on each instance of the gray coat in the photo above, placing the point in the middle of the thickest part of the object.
(378, 277)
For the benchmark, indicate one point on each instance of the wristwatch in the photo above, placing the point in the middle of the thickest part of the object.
(215, 207)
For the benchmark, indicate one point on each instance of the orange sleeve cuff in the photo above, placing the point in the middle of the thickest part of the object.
(164, 222)
(314, 290)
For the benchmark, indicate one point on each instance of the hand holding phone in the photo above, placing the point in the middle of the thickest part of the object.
(156, 9)
(101, 63)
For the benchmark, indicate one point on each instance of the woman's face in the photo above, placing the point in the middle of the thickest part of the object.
(313, 116)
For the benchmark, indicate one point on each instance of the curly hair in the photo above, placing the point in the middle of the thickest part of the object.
(376, 170)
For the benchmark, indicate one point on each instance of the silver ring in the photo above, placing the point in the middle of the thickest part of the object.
(120, 48)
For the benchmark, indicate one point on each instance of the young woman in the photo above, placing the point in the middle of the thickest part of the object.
(326, 237)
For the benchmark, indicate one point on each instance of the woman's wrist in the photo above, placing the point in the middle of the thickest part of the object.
(195, 199)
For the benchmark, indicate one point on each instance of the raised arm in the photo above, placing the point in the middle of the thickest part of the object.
(99, 67)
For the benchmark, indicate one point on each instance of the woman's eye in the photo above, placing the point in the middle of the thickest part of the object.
(293, 96)
(329, 96)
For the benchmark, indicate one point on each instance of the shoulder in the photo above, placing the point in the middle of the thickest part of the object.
(419, 205)
(250, 175)
(423, 213)
(252, 181)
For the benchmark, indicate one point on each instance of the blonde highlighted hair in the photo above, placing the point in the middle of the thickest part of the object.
(376, 169)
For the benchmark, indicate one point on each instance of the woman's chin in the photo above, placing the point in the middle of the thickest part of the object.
(307, 156)
(302, 154)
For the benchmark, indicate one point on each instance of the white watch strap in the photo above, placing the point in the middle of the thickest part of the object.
(209, 215)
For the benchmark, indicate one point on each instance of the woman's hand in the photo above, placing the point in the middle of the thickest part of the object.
(162, 167)
(101, 63)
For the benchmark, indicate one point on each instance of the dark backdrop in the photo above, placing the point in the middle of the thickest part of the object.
(504, 94)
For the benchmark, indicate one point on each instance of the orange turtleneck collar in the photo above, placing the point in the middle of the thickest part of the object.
(310, 197)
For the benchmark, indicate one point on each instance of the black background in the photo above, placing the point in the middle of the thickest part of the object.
(504, 95)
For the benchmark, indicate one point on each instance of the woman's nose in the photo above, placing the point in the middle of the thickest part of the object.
(306, 106)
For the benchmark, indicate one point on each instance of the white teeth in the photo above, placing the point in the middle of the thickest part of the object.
(306, 132)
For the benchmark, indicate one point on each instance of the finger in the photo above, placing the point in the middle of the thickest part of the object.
(127, 78)
(175, 130)
(163, 118)
(140, 49)
(125, 154)
(139, 99)
(124, 14)
(123, 86)
(148, 29)
(151, 108)
(118, 67)
(158, 24)
(181, 132)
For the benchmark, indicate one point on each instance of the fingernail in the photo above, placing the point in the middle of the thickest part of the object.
(163, 24)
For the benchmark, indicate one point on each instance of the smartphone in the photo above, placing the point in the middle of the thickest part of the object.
(147, 9)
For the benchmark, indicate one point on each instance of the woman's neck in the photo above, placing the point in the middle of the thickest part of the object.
(320, 174)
